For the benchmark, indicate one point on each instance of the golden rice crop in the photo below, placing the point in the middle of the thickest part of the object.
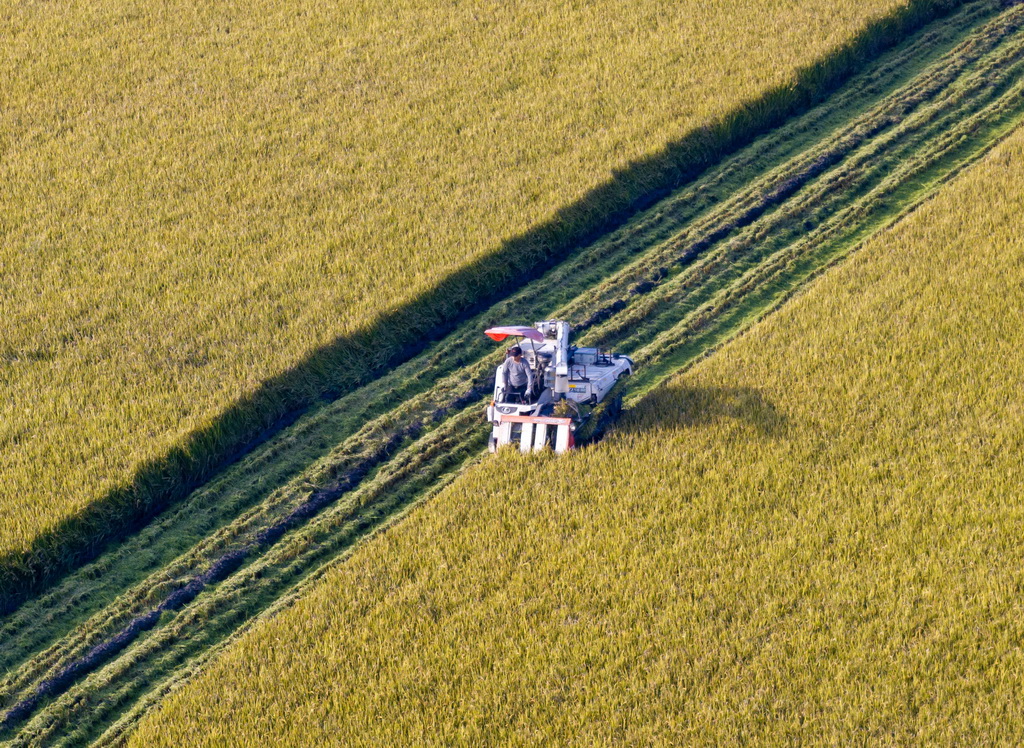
(195, 196)
(813, 536)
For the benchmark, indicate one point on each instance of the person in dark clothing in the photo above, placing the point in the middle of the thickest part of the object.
(518, 376)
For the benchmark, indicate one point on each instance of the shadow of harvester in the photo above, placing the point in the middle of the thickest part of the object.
(683, 406)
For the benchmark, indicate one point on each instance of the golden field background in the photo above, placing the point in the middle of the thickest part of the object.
(813, 536)
(197, 196)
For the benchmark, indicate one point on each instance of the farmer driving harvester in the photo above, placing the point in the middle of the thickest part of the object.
(518, 377)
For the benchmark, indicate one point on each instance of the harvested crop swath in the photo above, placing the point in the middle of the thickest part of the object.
(812, 537)
(87, 659)
(214, 214)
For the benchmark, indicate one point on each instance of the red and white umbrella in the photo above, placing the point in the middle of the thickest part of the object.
(521, 331)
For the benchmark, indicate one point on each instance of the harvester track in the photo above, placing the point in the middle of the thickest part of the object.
(83, 661)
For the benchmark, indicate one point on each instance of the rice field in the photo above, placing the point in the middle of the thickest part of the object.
(812, 536)
(208, 211)
(84, 661)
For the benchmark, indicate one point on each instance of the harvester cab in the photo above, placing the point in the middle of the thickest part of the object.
(568, 383)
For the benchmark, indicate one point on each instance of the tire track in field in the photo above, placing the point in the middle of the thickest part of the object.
(669, 287)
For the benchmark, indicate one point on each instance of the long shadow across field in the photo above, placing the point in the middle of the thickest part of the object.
(327, 373)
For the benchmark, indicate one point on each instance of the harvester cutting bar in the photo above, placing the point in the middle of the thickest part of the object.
(533, 434)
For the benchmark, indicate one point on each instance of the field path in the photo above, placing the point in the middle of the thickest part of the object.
(84, 660)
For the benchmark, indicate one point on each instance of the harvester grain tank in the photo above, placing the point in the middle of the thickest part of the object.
(568, 384)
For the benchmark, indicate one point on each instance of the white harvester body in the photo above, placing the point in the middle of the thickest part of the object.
(568, 381)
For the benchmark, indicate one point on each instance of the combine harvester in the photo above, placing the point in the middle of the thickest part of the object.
(568, 384)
